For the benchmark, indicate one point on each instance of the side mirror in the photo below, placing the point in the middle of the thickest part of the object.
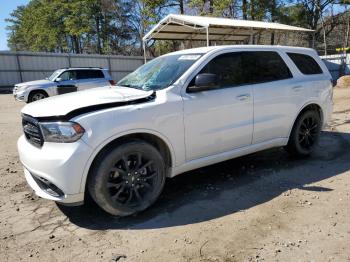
(204, 82)
(58, 79)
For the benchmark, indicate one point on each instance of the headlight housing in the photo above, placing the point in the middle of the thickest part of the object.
(61, 132)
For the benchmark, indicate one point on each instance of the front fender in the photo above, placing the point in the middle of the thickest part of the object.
(119, 135)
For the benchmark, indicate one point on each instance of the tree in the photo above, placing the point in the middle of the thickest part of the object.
(118, 26)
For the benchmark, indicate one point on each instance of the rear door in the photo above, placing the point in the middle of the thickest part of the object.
(277, 94)
(90, 78)
(220, 119)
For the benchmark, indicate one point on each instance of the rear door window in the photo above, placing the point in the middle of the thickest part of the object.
(305, 63)
(89, 74)
(264, 66)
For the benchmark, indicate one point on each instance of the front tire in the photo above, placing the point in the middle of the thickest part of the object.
(127, 179)
(305, 134)
(36, 95)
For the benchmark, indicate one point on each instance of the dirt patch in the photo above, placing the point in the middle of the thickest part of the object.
(343, 82)
(261, 207)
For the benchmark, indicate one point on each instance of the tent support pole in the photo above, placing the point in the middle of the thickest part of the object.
(251, 39)
(207, 28)
(144, 50)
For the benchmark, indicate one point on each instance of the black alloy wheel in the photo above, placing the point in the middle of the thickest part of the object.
(305, 134)
(132, 179)
(127, 179)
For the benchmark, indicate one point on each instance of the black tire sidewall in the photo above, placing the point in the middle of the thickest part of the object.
(100, 172)
(294, 141)
(30, 98)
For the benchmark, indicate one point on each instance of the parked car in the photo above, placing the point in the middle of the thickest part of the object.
(62, 81)
(178, 112)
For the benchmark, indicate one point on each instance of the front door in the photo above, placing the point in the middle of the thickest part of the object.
(220, 119)
(67, 82)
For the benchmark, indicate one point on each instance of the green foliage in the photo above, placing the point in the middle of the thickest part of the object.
(69, 25)
(117, 26)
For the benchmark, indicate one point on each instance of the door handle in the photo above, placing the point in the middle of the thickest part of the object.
(243, 97)
(297, 88)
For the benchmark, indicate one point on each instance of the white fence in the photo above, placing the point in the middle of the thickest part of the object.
(16, 67)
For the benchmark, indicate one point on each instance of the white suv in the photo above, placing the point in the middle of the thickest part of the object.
(178, 112)
(62, 81)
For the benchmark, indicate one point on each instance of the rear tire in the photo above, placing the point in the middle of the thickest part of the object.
(36, 95)
(305, 134)
(127, 179)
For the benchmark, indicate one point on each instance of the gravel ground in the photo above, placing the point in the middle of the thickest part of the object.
(261, 207)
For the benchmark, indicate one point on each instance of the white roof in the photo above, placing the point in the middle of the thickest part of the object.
(185, 27)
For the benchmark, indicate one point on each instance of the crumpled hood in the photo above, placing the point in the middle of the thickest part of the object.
(94, 99)
(36, 83)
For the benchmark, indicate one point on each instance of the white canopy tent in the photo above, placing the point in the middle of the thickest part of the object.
(202, 28)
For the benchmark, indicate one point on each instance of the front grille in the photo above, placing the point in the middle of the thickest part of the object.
(32, 131)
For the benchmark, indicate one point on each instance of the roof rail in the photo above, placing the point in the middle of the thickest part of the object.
(82, 67)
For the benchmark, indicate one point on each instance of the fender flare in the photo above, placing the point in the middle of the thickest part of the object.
(312, 102)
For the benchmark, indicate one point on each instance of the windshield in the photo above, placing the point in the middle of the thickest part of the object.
(159, 73)
(55, 74)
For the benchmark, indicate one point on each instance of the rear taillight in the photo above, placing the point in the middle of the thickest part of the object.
(112, 82)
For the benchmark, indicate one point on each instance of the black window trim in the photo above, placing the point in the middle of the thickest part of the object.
(240, 51)
(83, 69)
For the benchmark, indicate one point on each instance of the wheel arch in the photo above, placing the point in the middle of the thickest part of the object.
(37, 90)
(157, 140)
(308, 106)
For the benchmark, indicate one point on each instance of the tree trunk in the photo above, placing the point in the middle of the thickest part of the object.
(273, 19)
(181, 2)
(346, 40)
(324, 37)
(252, 10)
(76, 44)
(98, 34)
(211, 6)
(244, 9)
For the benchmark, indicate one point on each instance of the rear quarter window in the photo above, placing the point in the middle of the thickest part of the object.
(305, 63)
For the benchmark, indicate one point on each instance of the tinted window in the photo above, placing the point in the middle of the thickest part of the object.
(228, 68)
(241, 68)
(264, 66)
(68, 75)
(305, 63)
(87, 74)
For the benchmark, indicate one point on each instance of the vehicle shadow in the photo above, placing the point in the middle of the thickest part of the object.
(229, 187)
